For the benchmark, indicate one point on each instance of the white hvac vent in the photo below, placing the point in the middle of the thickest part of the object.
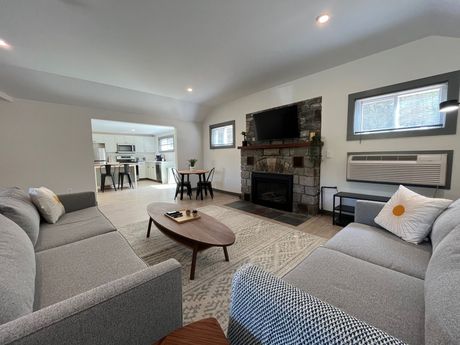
(409, 169)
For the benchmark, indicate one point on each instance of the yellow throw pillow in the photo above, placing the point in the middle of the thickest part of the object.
(410, 215)
(47, 203)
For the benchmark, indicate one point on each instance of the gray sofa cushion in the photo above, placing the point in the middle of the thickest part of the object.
(386, 299)
(16, 205)
(445, 223)
(381, 247)
(74, 226)
(77, 267)
(17, 271)
(442, 292)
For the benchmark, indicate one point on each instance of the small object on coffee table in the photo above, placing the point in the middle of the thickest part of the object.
(181, 216)
(203, 332)
(195, 213)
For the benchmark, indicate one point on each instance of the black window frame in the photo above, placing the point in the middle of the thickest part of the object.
(166, 137)
(222, 124)
(450, 126)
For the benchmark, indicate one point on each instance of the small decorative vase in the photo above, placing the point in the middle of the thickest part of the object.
(192, 168)
(245, 143)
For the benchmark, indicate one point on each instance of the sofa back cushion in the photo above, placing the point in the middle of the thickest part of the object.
(445, 223)
(16, 205)
(442, 293)
(17, 271)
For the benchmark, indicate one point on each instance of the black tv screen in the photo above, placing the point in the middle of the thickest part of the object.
(281, 123)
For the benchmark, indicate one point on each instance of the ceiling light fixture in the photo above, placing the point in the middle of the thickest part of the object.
(189, 89)
(5, 45)
(324, 18)
(133, 130)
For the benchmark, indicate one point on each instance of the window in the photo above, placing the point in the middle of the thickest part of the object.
(166, 144)
(407, 109)
(222, 135)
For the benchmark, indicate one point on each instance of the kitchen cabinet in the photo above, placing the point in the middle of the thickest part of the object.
(142, 170)
(151, 171)
(150, 144)
(139, 142)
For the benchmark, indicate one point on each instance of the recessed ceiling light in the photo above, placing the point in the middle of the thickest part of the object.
(5, 45)
(324, 18)
(189, 89)
(133, 130)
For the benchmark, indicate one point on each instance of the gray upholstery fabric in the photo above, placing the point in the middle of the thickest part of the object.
(77, 267)
(265, 310)
(386, 299)
(78, 201)
(71, 227)
(442, 292)
(135, 310)
(16, 205)
(445, 223)
(17, 271)
(366, 211)
(381, 247)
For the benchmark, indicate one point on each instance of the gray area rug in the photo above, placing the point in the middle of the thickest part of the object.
(274, 247)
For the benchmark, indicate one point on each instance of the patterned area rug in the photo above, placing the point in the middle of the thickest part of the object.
(274, 247)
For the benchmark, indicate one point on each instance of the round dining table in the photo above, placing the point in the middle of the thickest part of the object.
(201, 177)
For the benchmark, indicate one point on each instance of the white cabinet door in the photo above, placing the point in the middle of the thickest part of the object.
(142, 170)
(139, 142)
(97, 138)
(150, 144)
(110, 144)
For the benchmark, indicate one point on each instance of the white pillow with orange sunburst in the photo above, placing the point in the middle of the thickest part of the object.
(410, 215)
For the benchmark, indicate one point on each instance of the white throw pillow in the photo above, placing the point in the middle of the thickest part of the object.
(410, 215)
(47, 203)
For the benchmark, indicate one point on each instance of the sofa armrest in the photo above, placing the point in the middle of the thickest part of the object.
(366, 211)
(265, 310)
(137, 309)
(78, 201)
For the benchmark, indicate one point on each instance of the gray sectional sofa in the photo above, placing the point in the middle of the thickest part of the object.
(364, 286)
(80, 282)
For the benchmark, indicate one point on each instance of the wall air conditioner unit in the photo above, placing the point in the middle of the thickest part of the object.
(429, 169)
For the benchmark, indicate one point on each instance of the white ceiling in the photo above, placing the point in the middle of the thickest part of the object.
(224, 49)
(117, 127)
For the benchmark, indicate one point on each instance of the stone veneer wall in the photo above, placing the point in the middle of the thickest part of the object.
(301, 162)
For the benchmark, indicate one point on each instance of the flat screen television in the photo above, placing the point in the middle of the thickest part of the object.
(281, 123)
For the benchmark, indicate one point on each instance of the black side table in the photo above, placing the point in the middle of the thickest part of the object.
(342, 214)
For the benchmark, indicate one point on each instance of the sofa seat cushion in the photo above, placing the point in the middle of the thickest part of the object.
(386, 299)
(69, 270)
(442, 292)
(74, 226)
(17, 271)
(381, 247)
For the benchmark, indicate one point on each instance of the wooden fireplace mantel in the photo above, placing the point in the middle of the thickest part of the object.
(276, 146)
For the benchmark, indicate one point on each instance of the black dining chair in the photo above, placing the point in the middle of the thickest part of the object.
(181, 185)
(108, 173)
(122, 174)
(206, 184)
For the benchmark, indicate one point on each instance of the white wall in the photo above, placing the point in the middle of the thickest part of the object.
(51, 144)
(418, 59)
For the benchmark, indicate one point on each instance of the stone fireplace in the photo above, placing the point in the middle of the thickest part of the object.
(285, 172)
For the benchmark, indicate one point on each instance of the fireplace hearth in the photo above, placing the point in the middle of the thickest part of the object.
(272, 190)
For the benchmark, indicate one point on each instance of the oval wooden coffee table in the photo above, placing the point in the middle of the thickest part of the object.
(199, 234)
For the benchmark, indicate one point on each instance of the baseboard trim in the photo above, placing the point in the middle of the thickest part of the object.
(227, 192)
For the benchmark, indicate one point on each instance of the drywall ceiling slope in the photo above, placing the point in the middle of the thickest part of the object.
(223, 49)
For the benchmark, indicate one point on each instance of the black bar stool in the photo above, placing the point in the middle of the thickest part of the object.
(108, 173)
(122, 174)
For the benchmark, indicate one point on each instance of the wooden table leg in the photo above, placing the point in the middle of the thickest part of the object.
(150, 227)
(192, 269)
(226, 254)
(201, 191)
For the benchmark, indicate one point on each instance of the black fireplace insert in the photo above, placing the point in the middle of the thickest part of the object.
(272, 190)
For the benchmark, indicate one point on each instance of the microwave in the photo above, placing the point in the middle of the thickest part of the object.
(126, 148)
